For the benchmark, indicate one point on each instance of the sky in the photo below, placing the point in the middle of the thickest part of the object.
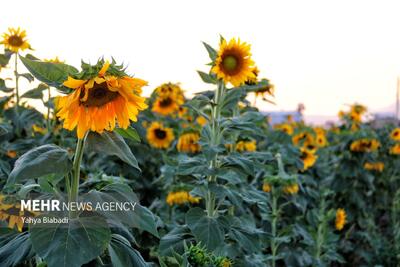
(325, 54)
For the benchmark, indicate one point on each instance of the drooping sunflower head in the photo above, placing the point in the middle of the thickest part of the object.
(15, 40)
(102, 97)
(233, 63)
(159, 136)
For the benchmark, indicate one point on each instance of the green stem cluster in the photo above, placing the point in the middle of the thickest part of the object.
(215, 141)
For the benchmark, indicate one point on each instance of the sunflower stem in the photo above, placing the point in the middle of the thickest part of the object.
(48, 109)
(76, 169)
(275, 217)
(215, 141)
(16, 82)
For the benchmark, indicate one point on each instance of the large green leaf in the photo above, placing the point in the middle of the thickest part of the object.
(122, 254)
(141, 217)
(72, 244)
(173, 241)
(53, 74)
(14, 249)
(111, 144)
(40, 161)
(206, 229)
(129, 133)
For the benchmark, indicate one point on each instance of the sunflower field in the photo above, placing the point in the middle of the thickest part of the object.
(211, 181)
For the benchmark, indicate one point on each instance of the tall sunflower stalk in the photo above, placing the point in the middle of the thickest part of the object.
(231, 64)
(215, 141)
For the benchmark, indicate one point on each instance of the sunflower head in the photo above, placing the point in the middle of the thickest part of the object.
(395, 150)
(308, 157)
(291, 189)
(159, 136)
(15, 40)
(233, 63)
(365, 145)
(102, 97)
(395, 134)
(169, 98)
(189, 143)
(340, 219)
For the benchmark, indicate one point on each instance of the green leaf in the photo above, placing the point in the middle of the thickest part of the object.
(173, 241)
(4, 88)
(53, 74)
(111, 144)
(5, 58)
(205, 229)
(122, 254)
(40, 161)
(207, 78)
(36, 93)
(15, 249)
(129, 133)
(140, 218)
(27, 76)
(211, 51)
(72, 244)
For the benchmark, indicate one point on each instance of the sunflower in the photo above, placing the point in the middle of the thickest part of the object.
(365, 145)
(395, 134)
(14, 40)
(321, 140)
(395, 150)
(181, 197)
(201, 121)
(300, 137)
(11, 154)
(159, 136)
(308, 158)
(170, 89)
(233, 63)
(248, 146)
(188, 142)
(374, 166)
(340, 219)
(291, 189)
(55, 60)
(98, 103)
(165, 106)
(266, 187)
(284, 127)
(13, 214)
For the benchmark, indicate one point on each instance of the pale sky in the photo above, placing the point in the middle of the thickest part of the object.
(323, 53)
